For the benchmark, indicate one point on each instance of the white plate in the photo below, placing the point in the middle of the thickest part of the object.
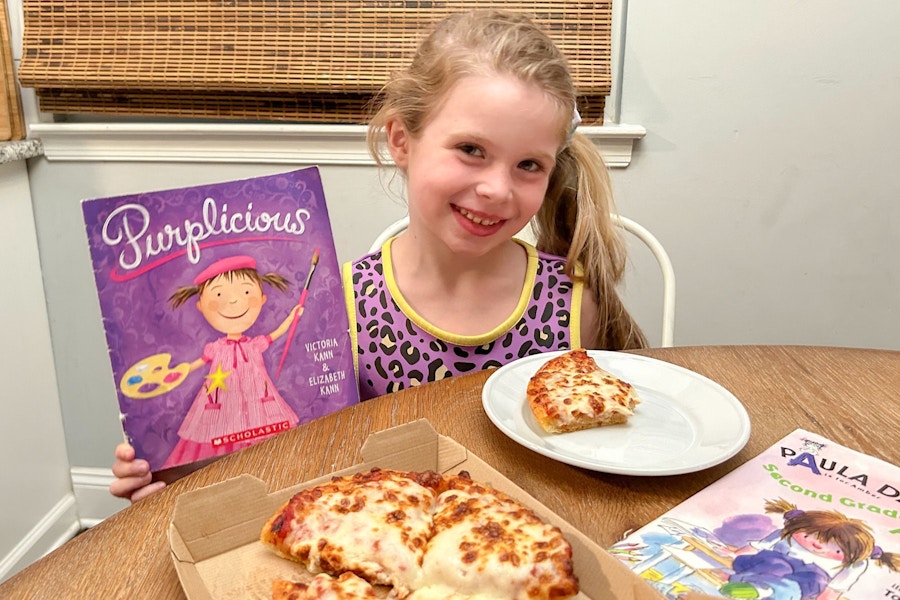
(684, 423)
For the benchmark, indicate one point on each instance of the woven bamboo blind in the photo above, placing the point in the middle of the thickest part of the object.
(262, 59)
(12, 122)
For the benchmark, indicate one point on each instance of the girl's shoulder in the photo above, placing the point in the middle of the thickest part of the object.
(532, 250)
(545, 262)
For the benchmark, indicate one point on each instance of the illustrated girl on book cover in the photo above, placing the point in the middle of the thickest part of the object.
(818, 554)
(238, 394)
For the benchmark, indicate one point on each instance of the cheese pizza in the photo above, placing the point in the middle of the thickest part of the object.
(375, 524)
(425, 535)
(487, 545)
(571, 392)
(324, 587)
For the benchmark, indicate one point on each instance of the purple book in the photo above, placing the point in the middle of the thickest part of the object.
(224, 313)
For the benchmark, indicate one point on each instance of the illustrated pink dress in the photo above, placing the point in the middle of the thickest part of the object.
(245, 409)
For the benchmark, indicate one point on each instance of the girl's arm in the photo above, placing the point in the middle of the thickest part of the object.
(197, 364)
(282, 329)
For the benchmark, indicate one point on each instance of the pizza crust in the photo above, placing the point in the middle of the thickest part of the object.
(571, 392)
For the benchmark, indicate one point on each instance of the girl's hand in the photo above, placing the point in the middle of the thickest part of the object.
(133, 479)
(286, 324)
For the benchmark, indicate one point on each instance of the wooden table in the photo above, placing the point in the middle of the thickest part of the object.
(848, 395)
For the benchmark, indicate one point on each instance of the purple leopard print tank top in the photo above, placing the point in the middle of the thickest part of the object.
(395, 348)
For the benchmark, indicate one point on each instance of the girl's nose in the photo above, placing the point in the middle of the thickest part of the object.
(495, 184)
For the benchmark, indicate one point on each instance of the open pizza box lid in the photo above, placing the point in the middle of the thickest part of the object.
(214, 533)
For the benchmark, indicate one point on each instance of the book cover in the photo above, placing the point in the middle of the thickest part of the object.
(223, 311)
(807, 518)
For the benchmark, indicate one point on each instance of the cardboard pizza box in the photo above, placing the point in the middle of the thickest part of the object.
(217, 554)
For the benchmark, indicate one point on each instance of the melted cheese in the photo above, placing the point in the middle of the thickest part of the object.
(346, 587)
(324, 587)
(486, 546)
(595, 396)
(378, 531)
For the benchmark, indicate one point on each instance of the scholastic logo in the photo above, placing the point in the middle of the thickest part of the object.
(253, 433)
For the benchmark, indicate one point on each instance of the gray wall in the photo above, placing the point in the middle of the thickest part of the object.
(33, 459)
(769, 167)
(768, 172)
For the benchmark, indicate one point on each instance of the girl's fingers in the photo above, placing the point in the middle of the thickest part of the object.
(148, 490)
(124, 452)
(131, 468)
(128, 487)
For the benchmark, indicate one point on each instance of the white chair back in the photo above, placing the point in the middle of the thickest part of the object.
(629, 225)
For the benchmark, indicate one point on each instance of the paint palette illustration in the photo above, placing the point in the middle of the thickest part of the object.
(152, 376)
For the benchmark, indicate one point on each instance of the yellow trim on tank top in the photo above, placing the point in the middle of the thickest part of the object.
(350, 303)
(463, 340)
(575, 313)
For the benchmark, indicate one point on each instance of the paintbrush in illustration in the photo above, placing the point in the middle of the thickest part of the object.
(303, 294)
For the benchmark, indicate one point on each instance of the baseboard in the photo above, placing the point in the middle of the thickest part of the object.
(57, 527)
(91, 488)
(89, 503)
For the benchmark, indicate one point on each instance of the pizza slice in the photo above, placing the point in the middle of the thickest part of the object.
(374, 524)
(347, 586)
(571, 392)
(487, 545)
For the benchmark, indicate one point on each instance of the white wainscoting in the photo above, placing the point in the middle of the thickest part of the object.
(57, 527)
(91, 488)
(88, 504)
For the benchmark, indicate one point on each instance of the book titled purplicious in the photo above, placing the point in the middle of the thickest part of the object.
(223, 313)
(807, 518)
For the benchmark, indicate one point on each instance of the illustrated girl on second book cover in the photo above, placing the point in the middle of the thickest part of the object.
(818, 555)
(238, 394)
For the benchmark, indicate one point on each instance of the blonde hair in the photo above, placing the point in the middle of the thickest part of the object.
(574, 219)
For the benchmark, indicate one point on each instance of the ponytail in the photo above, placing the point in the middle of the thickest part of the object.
(574, 221)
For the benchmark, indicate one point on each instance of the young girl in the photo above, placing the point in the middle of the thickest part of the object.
(482, 127)
(817, 554)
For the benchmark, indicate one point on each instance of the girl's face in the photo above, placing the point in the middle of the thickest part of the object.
(231, 304)
(479, 170)
(812, 543)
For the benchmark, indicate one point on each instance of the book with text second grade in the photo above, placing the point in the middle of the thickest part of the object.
(223, 311)
(807, 519)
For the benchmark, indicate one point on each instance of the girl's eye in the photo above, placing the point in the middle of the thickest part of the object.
(471, 150)
(531, 166)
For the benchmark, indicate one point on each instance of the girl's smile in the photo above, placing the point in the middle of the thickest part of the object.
(237, 317)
